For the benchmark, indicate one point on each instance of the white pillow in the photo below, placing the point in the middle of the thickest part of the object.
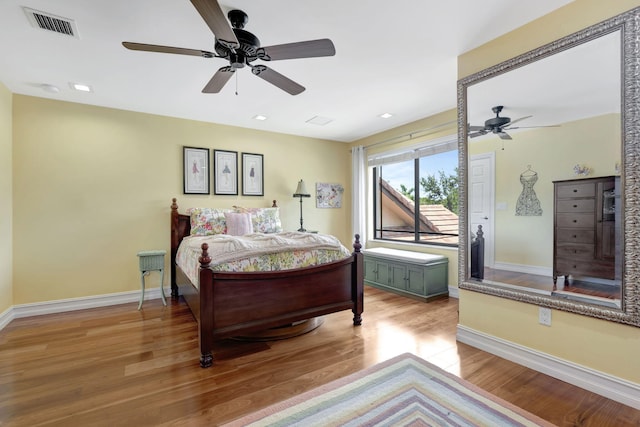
(238, 224)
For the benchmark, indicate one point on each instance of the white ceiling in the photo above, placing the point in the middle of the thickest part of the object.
(397, 57)
(581, 82)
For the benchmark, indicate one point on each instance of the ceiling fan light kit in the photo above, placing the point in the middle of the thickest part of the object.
(241, 48)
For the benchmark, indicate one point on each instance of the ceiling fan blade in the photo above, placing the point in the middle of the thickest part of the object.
(306, 49)
(474, 134)
(219, 79)
(532, 127)
(216, 20)
(517, 120)
(277, 79)
(167, 49)
(504, 135)
(475, 128)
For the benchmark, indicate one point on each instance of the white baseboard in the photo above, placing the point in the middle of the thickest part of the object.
(72, 304)
(453, 292)
(6, 317)
(606, 385)
(521, 268)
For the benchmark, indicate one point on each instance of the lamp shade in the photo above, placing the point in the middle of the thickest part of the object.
(301, 191)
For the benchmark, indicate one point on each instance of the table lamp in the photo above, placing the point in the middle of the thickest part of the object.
(301, 192)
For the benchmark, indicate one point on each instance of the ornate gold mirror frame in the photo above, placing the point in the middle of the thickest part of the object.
(628, 24)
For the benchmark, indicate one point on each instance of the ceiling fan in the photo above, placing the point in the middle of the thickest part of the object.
(241, 48)
(496, 125)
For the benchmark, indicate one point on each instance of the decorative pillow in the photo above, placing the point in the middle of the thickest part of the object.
(208, 221)
(265, 220)
(238, 224)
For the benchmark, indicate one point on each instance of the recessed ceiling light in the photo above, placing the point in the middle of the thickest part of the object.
(260, 117)
(81, 87)
(385, 115)
(318, 120)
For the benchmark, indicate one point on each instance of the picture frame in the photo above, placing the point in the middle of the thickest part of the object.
(252, 174)
(329, 195)
(225, 172)
(195, 170)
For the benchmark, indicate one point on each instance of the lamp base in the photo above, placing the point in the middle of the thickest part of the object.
(302, 229)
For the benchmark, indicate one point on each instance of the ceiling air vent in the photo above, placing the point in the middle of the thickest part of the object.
(48, 21)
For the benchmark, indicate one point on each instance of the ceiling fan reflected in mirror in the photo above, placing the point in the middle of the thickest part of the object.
(498, 125)
(241, 48)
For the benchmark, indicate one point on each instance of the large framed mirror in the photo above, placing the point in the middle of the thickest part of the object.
(549, 146)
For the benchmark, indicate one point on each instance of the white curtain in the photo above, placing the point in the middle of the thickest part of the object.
(358, 202)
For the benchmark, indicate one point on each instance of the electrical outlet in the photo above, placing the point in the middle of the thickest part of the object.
(544, 316)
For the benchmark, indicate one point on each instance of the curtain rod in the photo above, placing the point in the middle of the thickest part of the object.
(411, 135)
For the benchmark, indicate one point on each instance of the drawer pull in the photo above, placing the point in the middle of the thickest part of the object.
(575, 206)
(575, 220)
(575, 190)
(575, 237)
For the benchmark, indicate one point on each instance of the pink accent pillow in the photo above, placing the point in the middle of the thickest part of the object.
(238, 224)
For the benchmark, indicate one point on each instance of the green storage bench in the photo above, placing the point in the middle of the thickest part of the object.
(414, 274)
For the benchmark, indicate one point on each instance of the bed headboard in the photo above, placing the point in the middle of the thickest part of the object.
(180, 226)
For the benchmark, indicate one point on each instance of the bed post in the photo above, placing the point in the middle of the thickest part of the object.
(175, 241)
(357, 282)
(205, 325)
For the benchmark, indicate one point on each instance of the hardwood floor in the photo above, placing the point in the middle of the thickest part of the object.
(545, 284)
(119, 366)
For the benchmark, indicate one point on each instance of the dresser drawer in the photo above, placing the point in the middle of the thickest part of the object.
(577, 205)
(570, 235)
(576, 251)
(571, 189)
(575, 220)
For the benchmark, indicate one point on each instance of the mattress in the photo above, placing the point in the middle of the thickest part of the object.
(259, 252)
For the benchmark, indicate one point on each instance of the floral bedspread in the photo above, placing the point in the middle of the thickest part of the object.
(259, 252)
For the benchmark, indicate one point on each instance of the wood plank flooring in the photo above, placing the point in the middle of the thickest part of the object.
(545, 283)
(117, 366)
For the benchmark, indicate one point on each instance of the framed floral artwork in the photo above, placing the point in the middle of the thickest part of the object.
(225, 171)
(252, 175)
(329, 195)
(195, 170)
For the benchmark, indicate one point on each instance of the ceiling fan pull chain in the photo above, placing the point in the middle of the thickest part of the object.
(236, 83)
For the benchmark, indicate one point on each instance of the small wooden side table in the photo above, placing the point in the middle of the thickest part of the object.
(151, 261)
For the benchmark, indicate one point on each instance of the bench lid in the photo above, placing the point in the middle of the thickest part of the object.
(416, 257)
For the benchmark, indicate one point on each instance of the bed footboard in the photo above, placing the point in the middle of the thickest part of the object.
(235, 303)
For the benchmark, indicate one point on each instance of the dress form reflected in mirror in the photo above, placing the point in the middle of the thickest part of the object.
(528, 203)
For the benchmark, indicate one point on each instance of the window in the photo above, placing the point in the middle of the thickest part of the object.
(427, 174)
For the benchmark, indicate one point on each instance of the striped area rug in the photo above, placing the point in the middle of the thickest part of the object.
(403, 391)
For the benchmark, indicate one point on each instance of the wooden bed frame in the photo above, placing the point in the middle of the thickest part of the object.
(231, 304)
(477, 254)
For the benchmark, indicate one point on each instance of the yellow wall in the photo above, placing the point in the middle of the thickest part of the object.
(92, 186)
(6, 206)
(594, 142)
(601, 345)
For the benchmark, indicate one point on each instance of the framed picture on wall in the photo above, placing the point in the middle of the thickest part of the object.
(195, 170)
(225, 172)
(252, 175)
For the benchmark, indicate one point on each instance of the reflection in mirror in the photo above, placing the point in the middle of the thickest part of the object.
(542, 139)
(560, 117)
